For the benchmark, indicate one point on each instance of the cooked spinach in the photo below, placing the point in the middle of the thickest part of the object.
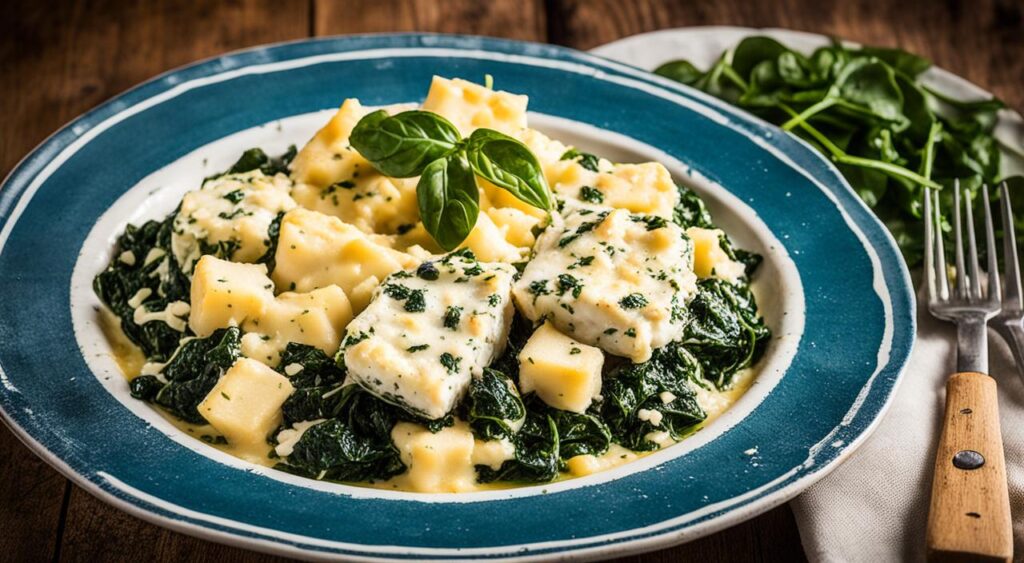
(316, 385)
(190, 375)
(255, 158)
(549, 437)
(354, 444)
(123, 279)
(723, 330)
(494, 407)
(338, 450)
(584, 159)
(631, 387)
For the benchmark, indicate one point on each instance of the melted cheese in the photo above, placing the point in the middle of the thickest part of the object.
(234, 209)
(332, 178)
(410, 347)
(316, 250)
(610, 279)
(316, 318)
(471, 106)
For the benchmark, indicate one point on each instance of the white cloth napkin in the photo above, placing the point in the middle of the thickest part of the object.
(874, 507)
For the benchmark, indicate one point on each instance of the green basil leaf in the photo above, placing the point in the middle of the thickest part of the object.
(449, 200)
(402, 145)
(509, 164)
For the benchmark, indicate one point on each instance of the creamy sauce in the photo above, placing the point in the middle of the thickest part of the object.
(129, 358)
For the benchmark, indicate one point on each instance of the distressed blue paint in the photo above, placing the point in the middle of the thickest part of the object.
(75, 419)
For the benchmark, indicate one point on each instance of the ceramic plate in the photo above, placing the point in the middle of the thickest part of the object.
(833, 288)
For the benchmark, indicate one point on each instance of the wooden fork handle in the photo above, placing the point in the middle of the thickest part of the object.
(969, 518)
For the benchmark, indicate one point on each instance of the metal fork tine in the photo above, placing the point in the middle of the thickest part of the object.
(994, 291)
(941, 271)
(973, 267)
(929, 246)
(1010, 258)
(958, 252)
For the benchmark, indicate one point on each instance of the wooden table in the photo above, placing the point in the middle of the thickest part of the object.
(59, 59)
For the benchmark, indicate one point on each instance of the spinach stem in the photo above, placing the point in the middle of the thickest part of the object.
(825, 103)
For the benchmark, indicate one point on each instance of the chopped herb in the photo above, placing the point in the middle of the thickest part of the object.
(450, 362)
(633, 301)
(417, 348)
(417, 302)
(592, 195)
(567, 282)
(428, 271)
(452, 316)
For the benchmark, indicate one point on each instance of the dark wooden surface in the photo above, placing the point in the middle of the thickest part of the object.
(58, 59)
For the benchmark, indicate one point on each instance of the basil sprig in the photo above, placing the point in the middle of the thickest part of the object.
(424, 144)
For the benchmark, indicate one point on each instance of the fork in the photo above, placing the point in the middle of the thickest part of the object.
(969, 517)
(1008, 323)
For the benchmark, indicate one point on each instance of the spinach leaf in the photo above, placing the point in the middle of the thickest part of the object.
(537, 453)
(509, 164)
(129, 273)
(631, 387)
(691, 210)
(723, 330)
(867, 110)
(548, 438)
(316, 384)
(404, 144)
(190, 375)
(680, 71)
(449, 200)
(494, 407)
(336, 450)
(585, 159)
(256, 159)
(273, 234)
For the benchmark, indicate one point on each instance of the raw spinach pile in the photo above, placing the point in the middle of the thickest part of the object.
(864, 108)
(424, 144)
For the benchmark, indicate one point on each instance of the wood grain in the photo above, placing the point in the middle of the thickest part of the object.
(969, 517)
(982, 40)
(518, 19)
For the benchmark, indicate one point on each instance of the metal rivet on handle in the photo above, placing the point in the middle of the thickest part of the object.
(968, 459)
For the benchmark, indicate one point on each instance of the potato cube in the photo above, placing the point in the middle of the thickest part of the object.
(317, 318)
(245, 405)
(488, 243)
(227, 293)
(564, 373)
(439, 462)
(709, 259)
(316, 250)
